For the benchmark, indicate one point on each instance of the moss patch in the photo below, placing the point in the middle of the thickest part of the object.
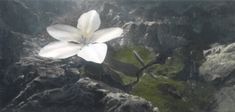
(149, 88)
(164, 91)
(125, 54)
(174, 96)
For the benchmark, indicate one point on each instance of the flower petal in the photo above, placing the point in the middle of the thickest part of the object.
(89, 22)
(94, 52)
(105, 35)
(64, 32)
(59, 50)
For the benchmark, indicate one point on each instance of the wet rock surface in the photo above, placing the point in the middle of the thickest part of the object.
(179, 31)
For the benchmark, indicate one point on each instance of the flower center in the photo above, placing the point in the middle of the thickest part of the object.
(84, 40)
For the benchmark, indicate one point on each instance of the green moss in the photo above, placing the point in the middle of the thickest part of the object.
(174, 96)
(171, 68)
(125, 54)
(165, 92)
(126, 79)
(150, 89)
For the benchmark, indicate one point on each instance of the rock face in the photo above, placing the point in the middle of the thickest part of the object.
(135, 104)
(219, 64)
(85, 95)
(225, 99)
(219, 68)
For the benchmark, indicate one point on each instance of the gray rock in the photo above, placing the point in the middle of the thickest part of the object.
(219, 63)
(85, 95)
(116, 102)
(225, 99)
(219, 68)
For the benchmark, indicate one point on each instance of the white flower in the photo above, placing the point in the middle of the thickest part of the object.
(84, 41)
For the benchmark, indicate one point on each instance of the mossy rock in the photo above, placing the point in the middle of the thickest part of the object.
(173, 95)
(150, 89)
